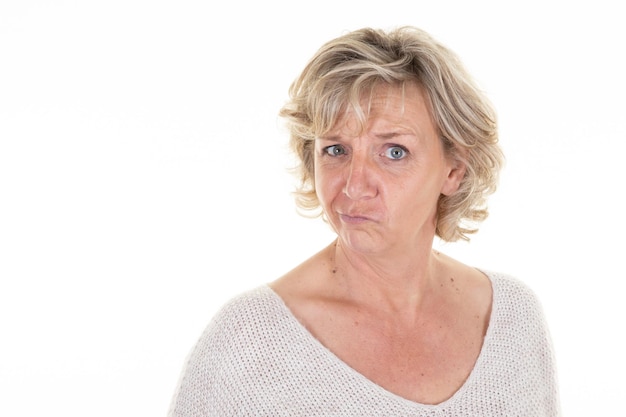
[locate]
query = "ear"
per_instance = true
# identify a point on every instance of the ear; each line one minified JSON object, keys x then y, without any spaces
{"x":456,"y":173}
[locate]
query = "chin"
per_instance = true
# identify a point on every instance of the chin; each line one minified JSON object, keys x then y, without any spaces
{"x":362,"y":242}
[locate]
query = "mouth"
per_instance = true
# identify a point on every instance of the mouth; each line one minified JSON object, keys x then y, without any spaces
{"x":353,"y":219}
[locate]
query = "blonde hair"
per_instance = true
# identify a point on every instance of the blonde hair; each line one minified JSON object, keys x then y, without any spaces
{"x":346,"y":68}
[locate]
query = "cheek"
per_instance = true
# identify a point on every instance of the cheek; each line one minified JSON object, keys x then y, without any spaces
{"x":323,"y":186}
{"x":418,"y":191}
{"x":320,"y":182}
{"x":328,"y":185}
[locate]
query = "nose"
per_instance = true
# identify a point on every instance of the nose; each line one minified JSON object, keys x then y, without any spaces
{"x":360,"y":177}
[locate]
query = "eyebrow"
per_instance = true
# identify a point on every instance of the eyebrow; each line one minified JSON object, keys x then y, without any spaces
{"x":392,"y":134}
{"x":332,"y":138}
{"x":385,"y":135}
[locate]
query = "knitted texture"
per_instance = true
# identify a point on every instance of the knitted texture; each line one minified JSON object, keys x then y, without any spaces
{"x":256,"y":359}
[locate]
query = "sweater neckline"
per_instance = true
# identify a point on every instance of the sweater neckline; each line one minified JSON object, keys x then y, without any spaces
{"x":331,"y":356}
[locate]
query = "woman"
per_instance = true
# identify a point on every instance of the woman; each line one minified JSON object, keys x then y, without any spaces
{"x":396,"y":146}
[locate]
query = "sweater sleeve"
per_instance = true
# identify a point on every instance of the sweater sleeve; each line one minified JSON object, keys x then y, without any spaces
{"x":197,"y":388}
{"x":209,"y":383}
{"x":233,"y":370}
{"x":521,"y":351}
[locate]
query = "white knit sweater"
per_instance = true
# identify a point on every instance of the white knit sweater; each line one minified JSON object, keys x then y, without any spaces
{"x":256,"y":359}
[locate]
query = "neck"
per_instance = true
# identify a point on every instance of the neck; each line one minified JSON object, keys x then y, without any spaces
{"x":397,"y":282}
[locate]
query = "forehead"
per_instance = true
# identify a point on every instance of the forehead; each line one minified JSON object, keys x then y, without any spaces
{"x":387,"y":106}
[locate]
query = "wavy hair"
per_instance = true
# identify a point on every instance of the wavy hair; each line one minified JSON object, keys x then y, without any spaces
{"x":348,"y":67}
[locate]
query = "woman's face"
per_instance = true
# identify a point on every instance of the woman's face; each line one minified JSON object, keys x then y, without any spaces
{"x":379,"y":186}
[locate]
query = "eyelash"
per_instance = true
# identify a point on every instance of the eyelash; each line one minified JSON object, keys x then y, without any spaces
{"x":330,"y":151}
{"x":402,"y":148}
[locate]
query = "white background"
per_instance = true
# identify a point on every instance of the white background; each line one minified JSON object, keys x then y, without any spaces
{"x":143,"y":181}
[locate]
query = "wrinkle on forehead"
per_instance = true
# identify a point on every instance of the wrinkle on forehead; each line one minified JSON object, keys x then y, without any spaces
{"x":355,"y":117}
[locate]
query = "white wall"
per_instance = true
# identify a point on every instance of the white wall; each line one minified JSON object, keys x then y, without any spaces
{"x":143,"y":181}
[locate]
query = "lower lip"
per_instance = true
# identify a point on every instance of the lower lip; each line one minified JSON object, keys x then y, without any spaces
{"x":353,"y":220}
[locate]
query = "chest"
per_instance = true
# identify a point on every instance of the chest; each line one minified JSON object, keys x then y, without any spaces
{"x":426,"y":363}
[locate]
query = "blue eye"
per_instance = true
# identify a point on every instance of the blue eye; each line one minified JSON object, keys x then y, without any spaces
{"x":396,"y":152}
{"x":335,"y":150}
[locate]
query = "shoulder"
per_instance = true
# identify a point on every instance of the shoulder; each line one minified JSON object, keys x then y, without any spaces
{"x":518,"y":324}
{"x":252,"y":306}
{"x":516,"y":304}
{"x":513,"y":294}
{"x":231,"y":354}
{"x":518,"y":346}
{"x":245,"y":319}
